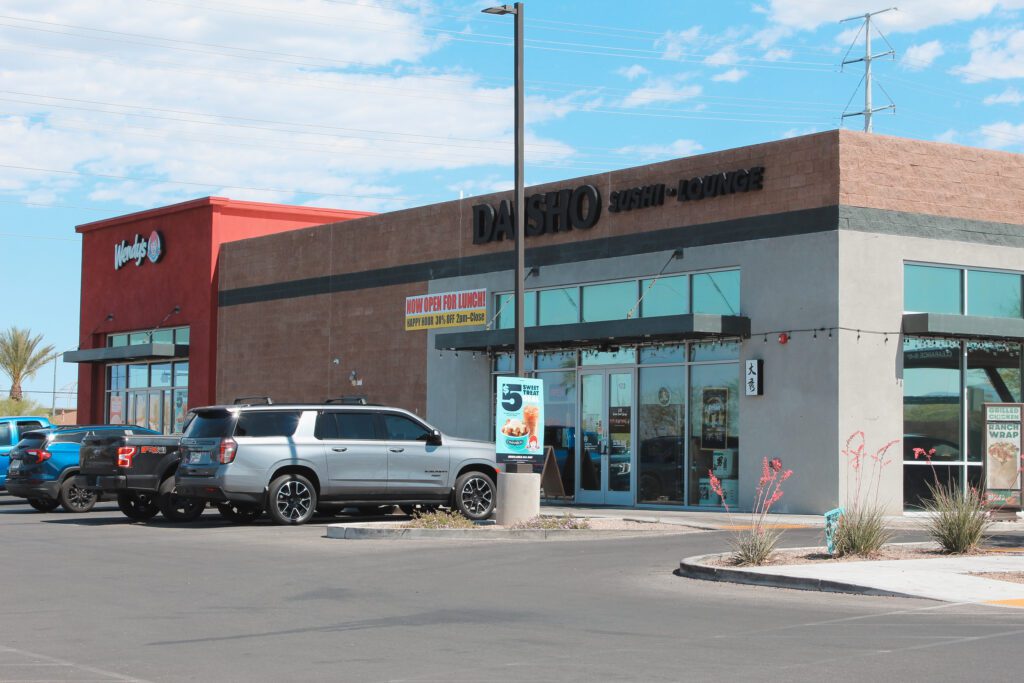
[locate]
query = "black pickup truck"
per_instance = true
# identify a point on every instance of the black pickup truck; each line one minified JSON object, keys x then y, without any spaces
{"x":139,"y":470}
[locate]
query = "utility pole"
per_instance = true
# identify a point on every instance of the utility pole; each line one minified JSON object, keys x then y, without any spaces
{"x":867,"y":59}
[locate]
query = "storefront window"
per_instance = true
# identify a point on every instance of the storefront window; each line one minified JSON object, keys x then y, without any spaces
{"x":993,"y":376}
{"x":932,"y":289}
{"x":181,"y":374}
{"x":715,"y":351}
{"x":625,"y":356}
{"x":717,"y":292}
{"x":160,"y":375}
{"x":181,"y":335}
{"x":506,"y":310}
{"x":931,"y":398}
{"x":559,"y":306}
{"x":163,"y":336}
{"x":117,"y":340}
{"x":714,"y":432}
{"x":138,"y":376}
{"x":612,"y":301}
{"x":650,"y":355}
{"x":996,"y":295}
{"x":560,"y":424}
{"x":556,"y":361}
{"x":665,"y":296}
{"x":662,"y":435}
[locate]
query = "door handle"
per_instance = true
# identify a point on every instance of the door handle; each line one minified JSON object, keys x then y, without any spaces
{"x":396,"y":450}
{"x":339,"y":449}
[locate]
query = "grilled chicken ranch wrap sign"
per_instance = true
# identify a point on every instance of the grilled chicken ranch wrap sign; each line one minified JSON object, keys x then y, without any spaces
{"x":1002,"y":455}
{"x":519,"y":420}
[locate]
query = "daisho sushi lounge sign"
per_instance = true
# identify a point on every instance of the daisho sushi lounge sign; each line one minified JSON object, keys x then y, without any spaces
{"x":580,"y":208}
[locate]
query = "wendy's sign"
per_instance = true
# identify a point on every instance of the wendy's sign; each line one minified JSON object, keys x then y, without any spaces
{"x":138,"y":250}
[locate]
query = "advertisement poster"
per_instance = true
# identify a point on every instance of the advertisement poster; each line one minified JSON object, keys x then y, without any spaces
{"x":519,"y":420}
{"x":116,"y":409}
{"x":180,"y":409}
{"x":446,"y":309}
{"x":1002,"y":455}
{"x":714,"y":422}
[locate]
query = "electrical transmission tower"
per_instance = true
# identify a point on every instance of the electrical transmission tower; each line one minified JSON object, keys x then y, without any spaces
{"x":867,"y":59}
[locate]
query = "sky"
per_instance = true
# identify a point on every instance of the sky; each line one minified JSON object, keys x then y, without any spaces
{"x":117,"y":106}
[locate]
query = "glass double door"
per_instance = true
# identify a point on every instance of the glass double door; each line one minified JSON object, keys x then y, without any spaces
{"x":605,"y":472}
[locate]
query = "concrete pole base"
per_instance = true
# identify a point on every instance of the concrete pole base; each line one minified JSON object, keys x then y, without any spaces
{"x":518,"y":498}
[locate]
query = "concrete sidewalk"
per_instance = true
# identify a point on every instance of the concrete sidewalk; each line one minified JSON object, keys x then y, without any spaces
{"x":716,"y":520}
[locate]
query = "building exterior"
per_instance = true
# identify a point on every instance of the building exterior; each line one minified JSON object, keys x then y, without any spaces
{"x":148,"y":321}
{"x":867,"y":283}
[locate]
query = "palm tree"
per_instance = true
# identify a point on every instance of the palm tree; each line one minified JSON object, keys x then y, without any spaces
{"x":20,"y":358}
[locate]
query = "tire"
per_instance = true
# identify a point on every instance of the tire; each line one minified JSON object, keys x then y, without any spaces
{"x":177,"y":508}
{"x":75,"y":499}
{"x":291,"y":499}
{"x":137,"y":506}
{"x":239,"y":513}
{"x":44,"y":504}
{"x":474,"y":495}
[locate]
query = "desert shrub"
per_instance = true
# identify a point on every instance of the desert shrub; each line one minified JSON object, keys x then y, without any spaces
{"x":754,"y":544}
{"x":566,"y":521}
{"x":439,"y":519}
{"x":957,"y":519}
{"x":861,"y":530}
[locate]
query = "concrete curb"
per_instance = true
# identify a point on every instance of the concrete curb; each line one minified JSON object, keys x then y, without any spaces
{"x":367,"y":531}
{"x":699,"y":567}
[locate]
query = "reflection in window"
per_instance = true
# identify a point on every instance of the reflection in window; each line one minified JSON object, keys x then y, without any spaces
{"x":663,"y":354}
{"x":665,"y":296}
{"x":662,"y":433}
{"x":612,"y":301}
{"x":995,"y":295}
{"x":714,"y":432}
{"x":559,"y":306}
{"x":715,"y":351}
{"x":993,"y":376}
{"x":931,"y":398}
{"x":932,"y":289}
{"x":556,"y":361}
{"x":560,"y":423}
{"x":717,"y":293}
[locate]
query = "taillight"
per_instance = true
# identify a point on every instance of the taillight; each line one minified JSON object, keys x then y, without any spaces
{"x":227,"y":450}
{"x":125,"y":454}
{"x":38,"y":454}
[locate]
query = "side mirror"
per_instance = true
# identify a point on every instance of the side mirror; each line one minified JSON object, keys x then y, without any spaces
{"x":434,"y":438}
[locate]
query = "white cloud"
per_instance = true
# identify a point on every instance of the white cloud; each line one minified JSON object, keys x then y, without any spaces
{"x":997,"y":53}
{"x":730,"y":76}
{"x":918,"y":57}
{"x":478,"y":186}
{"x":661,"y":90}
{"x":1002,"y":134}
{"x":797,"y":132}
{"x":284,"y":107}
{"x":632,"y":72}
{"x":679,"y":148}
{"x":1009,"y":96}
{"x":727,"y":56}
{"x":949,"y":135}
{"x":678,"y":44}
{"x":912,"y":16}
{"x":776,"y":54}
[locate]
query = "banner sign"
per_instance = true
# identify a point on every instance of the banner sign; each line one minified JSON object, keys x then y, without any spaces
{"x":754,"y":371}
{"x":519,"y":420}
{"x":1002,"y":455}
{"x":447,"y":309}
{"x":714,"y":427}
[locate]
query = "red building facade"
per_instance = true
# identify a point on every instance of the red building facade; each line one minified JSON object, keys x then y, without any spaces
{"x":148,"y":322}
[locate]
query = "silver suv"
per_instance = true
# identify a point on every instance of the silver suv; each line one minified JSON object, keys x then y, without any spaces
{"x":287,"y":459}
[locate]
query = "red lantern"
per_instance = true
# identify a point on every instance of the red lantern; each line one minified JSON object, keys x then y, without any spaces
{"x":783,"y":338}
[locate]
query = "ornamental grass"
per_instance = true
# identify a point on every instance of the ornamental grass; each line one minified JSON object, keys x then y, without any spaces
{"x":439,"y":519}
{"x":754,"y":544}
{"x":957,"y":519}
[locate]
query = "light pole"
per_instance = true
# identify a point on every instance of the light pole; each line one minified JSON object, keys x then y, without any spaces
{"x":519,"y":208}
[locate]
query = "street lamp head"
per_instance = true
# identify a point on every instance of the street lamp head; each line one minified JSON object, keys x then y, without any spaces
{"x":500,"y":9}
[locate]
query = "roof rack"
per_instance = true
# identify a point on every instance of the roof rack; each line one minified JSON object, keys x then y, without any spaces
{"x":250,"y":400}
{"x":348,"y":401}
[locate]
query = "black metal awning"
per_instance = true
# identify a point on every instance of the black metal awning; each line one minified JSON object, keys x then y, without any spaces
{"x":692,"y":326}
{"x":115,"y":354}
{"x":962,"y":326}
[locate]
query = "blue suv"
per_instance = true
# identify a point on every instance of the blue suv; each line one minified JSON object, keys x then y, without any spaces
{"x":44,"y":464}
{"x":11,"y":430}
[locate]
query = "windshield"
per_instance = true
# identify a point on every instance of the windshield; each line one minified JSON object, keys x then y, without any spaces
{"x":210,"y":423}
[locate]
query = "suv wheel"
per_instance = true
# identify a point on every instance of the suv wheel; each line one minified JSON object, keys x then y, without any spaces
{"x":138,"y":507}
{"x":177,"y":508}
{"x":43,"y":504}
{"x":239,"y":513}
{"x":75,"y":499}
{"x":474,"y":495}
{"x":291,"y":499}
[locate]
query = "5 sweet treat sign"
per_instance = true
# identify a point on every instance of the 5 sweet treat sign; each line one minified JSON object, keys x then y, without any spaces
{"x":519,"y":420}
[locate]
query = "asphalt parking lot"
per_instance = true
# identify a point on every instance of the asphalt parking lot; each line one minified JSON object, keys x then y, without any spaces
{"x":92,"y":597}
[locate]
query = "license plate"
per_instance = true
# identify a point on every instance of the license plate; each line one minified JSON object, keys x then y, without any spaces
{"x":194,"y":458}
